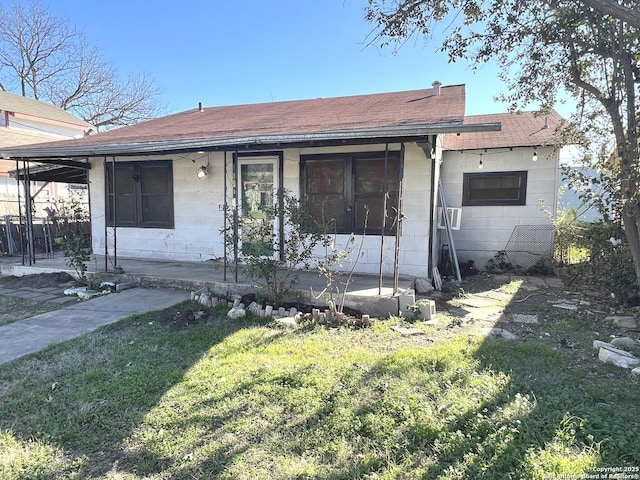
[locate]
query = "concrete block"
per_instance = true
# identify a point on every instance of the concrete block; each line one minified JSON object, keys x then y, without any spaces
{"x":598,"y":344}
{"x":623,"y":321}
{"x":427,"y":309}
{"x":405,"y":299}
{"x":626,"y":343}
{"x":125,"y":286}
{"x":617,"y":357}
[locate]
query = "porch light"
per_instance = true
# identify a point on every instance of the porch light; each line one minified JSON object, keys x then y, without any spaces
{"x":202,"y":172}
{"x":480,"y":164}
{"x":535,"y":154}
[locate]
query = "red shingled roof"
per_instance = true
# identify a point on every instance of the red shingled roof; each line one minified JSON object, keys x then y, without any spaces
{"x":522,"y":129}
{"x":397,"y":109}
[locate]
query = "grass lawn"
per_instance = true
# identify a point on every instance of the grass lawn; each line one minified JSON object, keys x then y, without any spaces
{"x":15,"y":308}
{"x":252,"y":400}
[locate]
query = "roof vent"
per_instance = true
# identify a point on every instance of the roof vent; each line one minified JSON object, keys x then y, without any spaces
{"x":200,"y":107}
{"x":436,"y":87}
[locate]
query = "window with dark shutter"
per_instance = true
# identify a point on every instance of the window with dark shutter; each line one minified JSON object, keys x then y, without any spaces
{"x":140,"y":195}
{"x":350,"y":191}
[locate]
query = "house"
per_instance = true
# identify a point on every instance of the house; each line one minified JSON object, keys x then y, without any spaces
{"x":159,"y":188}
{"x":25,"y":121}
{"x":504,"y":186}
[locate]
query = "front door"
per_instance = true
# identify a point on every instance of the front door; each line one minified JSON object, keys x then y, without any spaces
{"x":257,"y":187}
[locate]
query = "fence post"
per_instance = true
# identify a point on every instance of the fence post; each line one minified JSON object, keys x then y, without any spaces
{"x":11,"y":245}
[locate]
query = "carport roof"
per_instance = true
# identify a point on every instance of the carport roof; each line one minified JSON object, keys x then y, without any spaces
{"x":70,"y":172}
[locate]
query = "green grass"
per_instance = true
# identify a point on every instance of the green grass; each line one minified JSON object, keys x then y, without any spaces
{"x":13,"y":309}
{"x":245,"y":400}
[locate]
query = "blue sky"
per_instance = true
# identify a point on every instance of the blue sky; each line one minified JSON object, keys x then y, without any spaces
{"x":225,"y":52}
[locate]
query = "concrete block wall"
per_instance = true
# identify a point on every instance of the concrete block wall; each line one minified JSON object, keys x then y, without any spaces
{"x":485,"y":230}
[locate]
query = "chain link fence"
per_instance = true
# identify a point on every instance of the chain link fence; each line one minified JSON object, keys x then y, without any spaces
{"x":531,"y":245}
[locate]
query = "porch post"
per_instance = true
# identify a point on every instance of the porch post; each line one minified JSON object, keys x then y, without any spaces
{"x":384,"y":219}
{"x":234,"y":204}
{"x":396,"y":255}
{"x":28,"y":213}
{"x":20,"y":211}
{"x":225,"y":209}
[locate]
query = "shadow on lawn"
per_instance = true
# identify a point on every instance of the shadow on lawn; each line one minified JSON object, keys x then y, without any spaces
{"x":496,"y":409}
{"x":87,"y":396}
{"x":556,"y":410}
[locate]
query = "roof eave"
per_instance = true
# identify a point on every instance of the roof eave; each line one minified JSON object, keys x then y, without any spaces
{"x":399,"y":133}
{"x":499,"y":147}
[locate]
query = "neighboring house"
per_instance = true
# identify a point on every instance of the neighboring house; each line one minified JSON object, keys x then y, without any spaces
{"x":506,"y":186}
{"x":158,"y":189}
{"x":25,"y":121}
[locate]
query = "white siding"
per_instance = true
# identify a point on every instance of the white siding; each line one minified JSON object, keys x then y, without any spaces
{"x":485,"y":230}
{"x":55,"y":129}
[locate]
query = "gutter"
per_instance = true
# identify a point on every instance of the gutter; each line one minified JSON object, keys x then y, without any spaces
{"x":232,"y":143}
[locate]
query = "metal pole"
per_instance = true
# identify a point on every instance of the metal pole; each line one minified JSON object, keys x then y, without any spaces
{"x":396,"y":254}
{"x":86,"y":178}
{"x":226,"y":211}
{"x":106,"y":217}
{"x":20,"y":211}
{"x":384,"y":218}
{"x":236,"y":218}
{"x":115,"y":222}
{"x":447,"y":224}
{"x":28,"y":212}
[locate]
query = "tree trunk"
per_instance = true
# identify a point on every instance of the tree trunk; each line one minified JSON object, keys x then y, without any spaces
{"x":631,"y":222}
{"x":621,"y":12}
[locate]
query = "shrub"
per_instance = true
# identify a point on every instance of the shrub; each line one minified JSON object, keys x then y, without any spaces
{"x":610,"y":265}
{"x":266,"y":257}
{"x":72,"y":221}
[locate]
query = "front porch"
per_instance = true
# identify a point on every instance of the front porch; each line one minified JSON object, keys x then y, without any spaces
{"x":363,"y":292}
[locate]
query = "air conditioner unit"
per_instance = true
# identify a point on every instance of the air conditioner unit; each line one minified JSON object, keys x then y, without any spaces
{"x":454,"y":215}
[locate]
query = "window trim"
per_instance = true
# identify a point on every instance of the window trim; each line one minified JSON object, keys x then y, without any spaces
{"x":138,"y":167}
{"x":466,"y":191}
{"x":350,"y":193}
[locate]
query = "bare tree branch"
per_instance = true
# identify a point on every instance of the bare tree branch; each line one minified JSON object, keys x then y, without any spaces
{"x":44,"y":57}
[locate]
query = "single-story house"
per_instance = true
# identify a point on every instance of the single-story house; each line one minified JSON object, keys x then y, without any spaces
{"x":159,"y":189}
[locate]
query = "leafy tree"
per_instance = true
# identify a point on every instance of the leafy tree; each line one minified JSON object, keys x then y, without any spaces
{"x":589,"y":48}
{"x":42,"y":56}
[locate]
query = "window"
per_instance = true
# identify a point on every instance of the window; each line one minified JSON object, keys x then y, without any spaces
{"x":143,"y":194}
{"x":350,"y":190}
{"x":494,"y":188}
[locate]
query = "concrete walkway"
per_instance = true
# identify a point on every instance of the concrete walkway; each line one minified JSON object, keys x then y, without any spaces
{"x":33,"y":334}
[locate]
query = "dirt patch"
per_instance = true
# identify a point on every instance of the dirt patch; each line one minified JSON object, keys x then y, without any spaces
{"x":39,"y":280}
{"x":184,"y":318}
{"x":564,"y":317}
